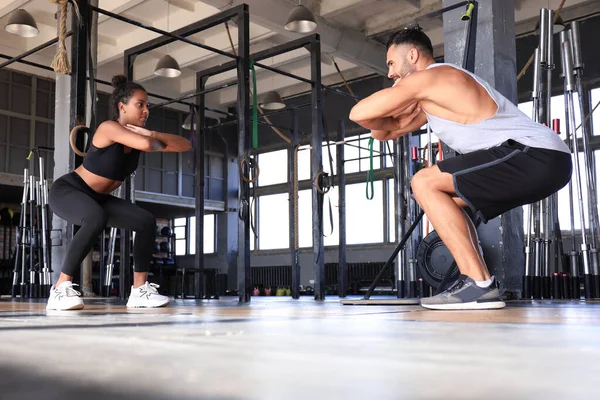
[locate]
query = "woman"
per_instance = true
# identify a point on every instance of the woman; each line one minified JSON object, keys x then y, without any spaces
{"x":83,"y":196}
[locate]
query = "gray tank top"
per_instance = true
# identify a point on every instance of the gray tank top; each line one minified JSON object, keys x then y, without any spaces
{"x":508,"y":123}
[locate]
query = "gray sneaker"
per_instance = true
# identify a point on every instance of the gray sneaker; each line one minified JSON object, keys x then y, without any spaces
{"x":464,"y":294}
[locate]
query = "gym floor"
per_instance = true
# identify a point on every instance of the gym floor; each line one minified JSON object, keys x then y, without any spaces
{"x":298,"y":349}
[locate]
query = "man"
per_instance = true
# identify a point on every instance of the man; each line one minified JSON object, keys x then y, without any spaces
{"x":505,"y":159}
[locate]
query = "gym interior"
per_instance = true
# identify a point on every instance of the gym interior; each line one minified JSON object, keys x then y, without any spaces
{"x":288,"y":242}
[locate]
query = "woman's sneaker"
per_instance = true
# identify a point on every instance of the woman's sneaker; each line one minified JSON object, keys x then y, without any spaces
{"x":464,"y":294}
{"x":64,"y":297}
{"x":146,"y":296}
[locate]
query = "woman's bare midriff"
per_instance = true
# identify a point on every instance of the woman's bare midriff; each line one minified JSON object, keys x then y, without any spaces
{"x":97,"y":183}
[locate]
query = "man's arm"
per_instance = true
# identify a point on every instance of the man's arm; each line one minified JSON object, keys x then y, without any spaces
{"x":389,"y":102}
{"x":418,"y":121}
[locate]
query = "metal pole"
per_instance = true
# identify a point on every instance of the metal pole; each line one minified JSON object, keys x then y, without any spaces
{"x":567,"y":63}
{"x":293,"y":207}
{"x":528,"y":278}
{"x":200,"y":123}
{"x":401,"y":214}
{"x":243,"y":118}
{"x":542,"y":113}
{"x":575,"y":40}
{"x":342,"y":267}
{"x":317,"y":167}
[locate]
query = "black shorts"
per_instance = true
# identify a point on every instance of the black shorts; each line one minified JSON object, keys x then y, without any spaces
{"x":499,"y":179}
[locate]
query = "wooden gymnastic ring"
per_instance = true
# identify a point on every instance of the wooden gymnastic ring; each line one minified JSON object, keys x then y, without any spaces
{"x":72,"y":136}
{"x":252,"y":165}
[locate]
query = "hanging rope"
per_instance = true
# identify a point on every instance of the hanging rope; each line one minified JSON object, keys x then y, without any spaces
{"x":277,"y":131}
{"x":60,"y":64}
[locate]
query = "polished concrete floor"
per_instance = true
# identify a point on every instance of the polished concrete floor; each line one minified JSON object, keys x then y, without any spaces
{"x":278,"y":348}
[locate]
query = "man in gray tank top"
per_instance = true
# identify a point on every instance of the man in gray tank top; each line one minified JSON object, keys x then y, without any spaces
{"x":505,"y":159}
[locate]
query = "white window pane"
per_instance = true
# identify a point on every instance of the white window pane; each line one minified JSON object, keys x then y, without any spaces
{"x":179,"y":221}
{"x":563,"y":201}
{"x":325,"y":152}
{"x":526,"y":108}
{"x":331,"y":238}
{"x":274,"y":222}
{"x":180,"y":247}
{"x":364,"y":217}
{"x":209,"y":234}
{"x":253,"y":216}
{"x":192,"y":240}
{"x":303,"y":164}
{"x":564,"y":212}
{"x":557,"y":110}
{"x":351,"y":153}
{"x":180,"y":232}
{"x":273,"y":167}
{"x":595,"y":97}
{"x":305,"y":218}
{"x":392,"y":210}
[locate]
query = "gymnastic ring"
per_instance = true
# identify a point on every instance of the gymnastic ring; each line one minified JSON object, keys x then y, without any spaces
{"x":72,"y":136}
{"x":319,"y":189}
{"x":253,"y":165}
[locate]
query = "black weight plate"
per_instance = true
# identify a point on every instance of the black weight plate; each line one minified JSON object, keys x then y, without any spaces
{"x":434,"y":260}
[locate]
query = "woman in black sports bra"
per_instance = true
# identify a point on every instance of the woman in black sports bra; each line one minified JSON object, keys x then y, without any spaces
{"x":83,"y":197}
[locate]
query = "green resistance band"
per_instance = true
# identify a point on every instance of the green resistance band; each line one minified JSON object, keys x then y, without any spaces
{"x":370,"y":172}
{"x":254,"y":109}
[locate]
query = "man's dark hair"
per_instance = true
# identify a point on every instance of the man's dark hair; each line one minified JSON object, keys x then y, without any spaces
{"x":412,"y":36}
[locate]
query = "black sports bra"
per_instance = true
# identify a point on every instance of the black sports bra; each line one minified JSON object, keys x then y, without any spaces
{"x":111,"y":162}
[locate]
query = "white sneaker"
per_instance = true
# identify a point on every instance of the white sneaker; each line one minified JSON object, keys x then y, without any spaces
{"x":146,"y":296}
{"x":64,"y":297}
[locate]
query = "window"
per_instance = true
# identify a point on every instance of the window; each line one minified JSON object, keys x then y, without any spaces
{"x":595,"y":97}
{"x":392,"y":210}
{"x":209,"y":234}
{"x":23,"y":126}
{"x":325,"y":154}
{"x":274,"y":222}
{"x":332,"y":232}
{"x":557,"y":109}
{"x":305,"y":231}
{"x":364,"y":217}
{"x":360,"y":148}
{"x":304,"y":164}
{"x":180,"y":227}
{"x":273,"y":168}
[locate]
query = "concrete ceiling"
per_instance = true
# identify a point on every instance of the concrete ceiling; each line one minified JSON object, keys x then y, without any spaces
{"x":353,"y":32}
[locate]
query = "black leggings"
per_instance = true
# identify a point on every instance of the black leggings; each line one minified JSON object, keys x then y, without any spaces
{"x":74,"y":201}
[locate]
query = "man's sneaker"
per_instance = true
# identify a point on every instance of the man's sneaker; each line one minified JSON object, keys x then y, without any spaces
{"x":464,"y":294}
{"x":64,"y":297}
{"x":146,"y":296}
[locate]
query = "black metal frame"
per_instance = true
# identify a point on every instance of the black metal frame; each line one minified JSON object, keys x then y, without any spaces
{"x":239,"y":13}
{"x":312,"y":42}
